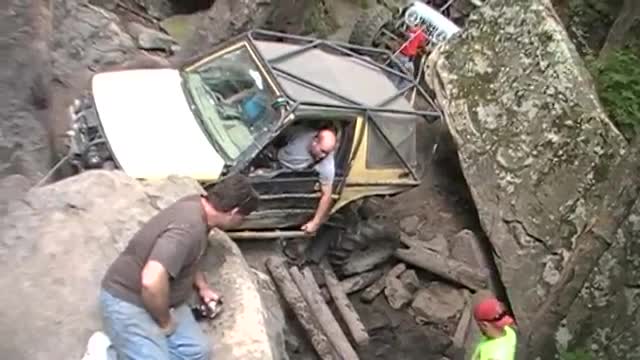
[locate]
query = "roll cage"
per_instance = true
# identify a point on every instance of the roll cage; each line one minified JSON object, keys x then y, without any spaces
{"x":304,"y":93}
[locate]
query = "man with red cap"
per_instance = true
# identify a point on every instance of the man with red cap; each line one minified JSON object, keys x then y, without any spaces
{"x":499,"y":338}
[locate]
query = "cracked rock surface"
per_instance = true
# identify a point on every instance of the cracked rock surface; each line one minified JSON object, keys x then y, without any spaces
{"x":537,"y":151}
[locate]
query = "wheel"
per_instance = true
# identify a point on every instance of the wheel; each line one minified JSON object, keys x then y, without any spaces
{"x":372,"y":232}
{"x":369,"y":24}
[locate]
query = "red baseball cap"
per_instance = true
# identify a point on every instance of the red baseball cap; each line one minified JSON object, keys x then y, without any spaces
{"x":491,"y":310}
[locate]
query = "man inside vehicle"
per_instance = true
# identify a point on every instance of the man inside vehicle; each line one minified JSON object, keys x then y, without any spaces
{"x":311,"y":148}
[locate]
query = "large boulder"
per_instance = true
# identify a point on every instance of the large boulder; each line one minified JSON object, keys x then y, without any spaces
{"x":547,"y":170}
{"x":57,"y":242}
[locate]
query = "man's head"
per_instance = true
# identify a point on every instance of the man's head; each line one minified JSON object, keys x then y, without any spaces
{"x":229,"y":201}
{"x":491,"y":316}
{"x":323,"y":144}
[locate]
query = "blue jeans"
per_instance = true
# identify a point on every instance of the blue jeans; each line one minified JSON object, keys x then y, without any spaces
{"x":135,"y":335}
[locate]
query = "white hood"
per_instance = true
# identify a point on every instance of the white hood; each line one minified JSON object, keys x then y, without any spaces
{"x":149,"y":126}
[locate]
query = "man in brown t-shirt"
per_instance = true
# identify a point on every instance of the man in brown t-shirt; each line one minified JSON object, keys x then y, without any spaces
{"x":144,"y":292}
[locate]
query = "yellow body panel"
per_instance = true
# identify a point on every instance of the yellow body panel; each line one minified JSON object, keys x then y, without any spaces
{"x":361,"y":181}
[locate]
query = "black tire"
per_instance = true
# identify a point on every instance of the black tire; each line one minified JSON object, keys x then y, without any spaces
{"x":369,"y":24}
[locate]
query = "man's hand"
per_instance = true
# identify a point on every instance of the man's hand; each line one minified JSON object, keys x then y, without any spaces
{"x":202,"y":286}
{"x":207,"y":295}
{"x":311,"y":227}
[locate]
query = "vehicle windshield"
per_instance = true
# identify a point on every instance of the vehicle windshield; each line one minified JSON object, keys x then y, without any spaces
{"x":233,"y":101}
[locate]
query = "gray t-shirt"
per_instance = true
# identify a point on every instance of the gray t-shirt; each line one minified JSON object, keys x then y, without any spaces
{"x":176,"y":237}
{"x":296,"y":156}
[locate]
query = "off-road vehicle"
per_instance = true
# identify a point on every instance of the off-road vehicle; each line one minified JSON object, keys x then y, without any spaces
{"x":385,"y":24}
{"x":225,"y":112}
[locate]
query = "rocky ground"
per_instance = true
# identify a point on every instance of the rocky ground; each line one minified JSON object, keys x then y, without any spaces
{"x":407,"y":311}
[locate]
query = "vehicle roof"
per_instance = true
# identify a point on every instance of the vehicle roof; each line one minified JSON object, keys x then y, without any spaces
{"x":315,"y":72}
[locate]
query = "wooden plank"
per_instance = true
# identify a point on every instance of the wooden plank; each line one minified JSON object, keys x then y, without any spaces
{"x":301,"y":309}
{"x":345,"y":307}
{"x":366,"y":260}
{"x":311,"y":293}
{"x":358,"y":282}
{"x":447,"y":268}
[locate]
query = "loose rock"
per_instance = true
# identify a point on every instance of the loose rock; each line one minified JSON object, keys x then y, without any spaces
{"x":410,"y":224}
{"x":149,"y":39}
{"x":437,"y":303}
{"x":463,"y":248}
{"x":398,"y":295}
{"x":438,"y":244}
{"x":410,"y":280}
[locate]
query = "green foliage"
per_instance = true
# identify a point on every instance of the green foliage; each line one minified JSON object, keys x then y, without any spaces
{"x":617,"y":80}
{"x":575,"y":355}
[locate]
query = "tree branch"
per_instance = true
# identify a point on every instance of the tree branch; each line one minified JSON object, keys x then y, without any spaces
{"x":629,"y":13}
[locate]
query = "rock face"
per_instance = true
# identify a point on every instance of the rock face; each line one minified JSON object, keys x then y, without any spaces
{"x":57,"y":243}
{"x":24,"y":74}
{"x":86,"y":39}
{"x":540,"y":158}
{"x":606,"y":313}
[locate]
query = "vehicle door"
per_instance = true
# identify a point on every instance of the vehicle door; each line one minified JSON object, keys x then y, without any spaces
{"x":290,"y":198}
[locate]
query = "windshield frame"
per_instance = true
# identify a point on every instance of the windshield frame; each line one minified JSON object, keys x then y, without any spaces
{"x":197,"y":114}
{"x":260,"y":137}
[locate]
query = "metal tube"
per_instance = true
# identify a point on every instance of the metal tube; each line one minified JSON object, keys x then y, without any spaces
{"x":371,"y":62}
{"x":289,"y":54}
{"x":267,"y":235}
{"x":370,"y":108}
{"x":395,"y":96}
{"x":268,"y":33}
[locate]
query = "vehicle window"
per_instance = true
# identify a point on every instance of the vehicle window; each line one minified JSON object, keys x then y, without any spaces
{"x":233,"y":100}
{"x":402,"y":134}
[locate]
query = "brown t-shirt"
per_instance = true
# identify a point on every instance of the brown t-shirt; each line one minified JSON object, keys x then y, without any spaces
{"x":176,"y":237}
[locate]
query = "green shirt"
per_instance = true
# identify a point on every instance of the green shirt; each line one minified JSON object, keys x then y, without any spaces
{"x":502,"y":348}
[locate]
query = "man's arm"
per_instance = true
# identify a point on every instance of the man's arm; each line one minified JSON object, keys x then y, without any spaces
{"x":326,"y":170}
{"x":155,"y":292}
{"x":165,"y":261}
{"x":324,"y":206}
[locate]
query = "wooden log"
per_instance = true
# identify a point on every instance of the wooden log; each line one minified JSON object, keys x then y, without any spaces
{"x":301,"y":309}
{"x":450,"y":269}
{"x":457,"y":348}
{"x":463,"y":325}
{"x":366,"y":260}
{"x":345,"y":307}
{"x":311,"y":294}
{"x":374,"y":290}
{"x":358,"y":282}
